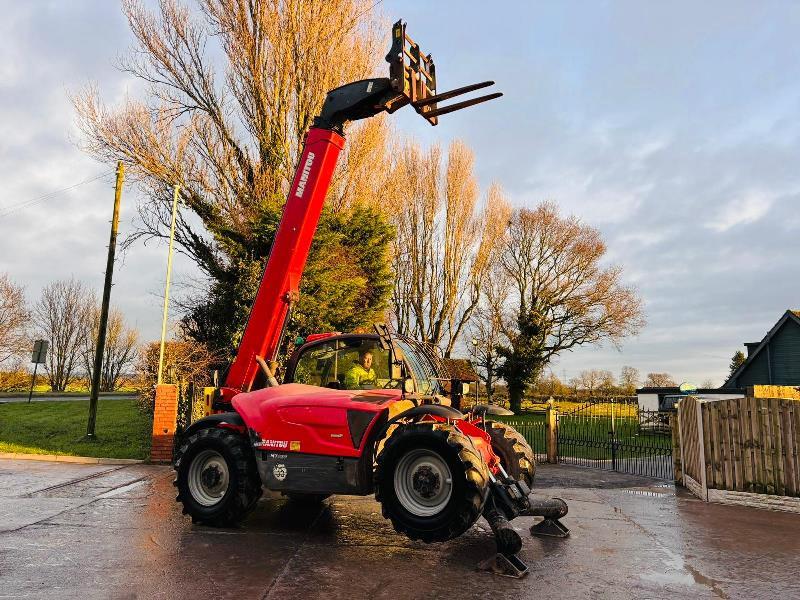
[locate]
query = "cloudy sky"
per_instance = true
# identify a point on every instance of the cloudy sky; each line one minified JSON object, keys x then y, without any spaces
{"x":674,"y":128}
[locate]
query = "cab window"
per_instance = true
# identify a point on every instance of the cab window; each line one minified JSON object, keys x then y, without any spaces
{"x":341,"y":364}
{"x":424,"y":374}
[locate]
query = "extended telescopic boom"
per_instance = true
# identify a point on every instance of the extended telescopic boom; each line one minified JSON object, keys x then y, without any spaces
{"x":412,"y":81}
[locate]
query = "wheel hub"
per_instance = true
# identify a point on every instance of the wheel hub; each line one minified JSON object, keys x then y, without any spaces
{"x":208,"y":477}
{"x":211,"y":477}
{"x":426,"y":482}
{"x":423,"y":482}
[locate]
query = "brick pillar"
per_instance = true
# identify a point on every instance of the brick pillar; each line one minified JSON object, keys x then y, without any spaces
{"x":165,"y":416}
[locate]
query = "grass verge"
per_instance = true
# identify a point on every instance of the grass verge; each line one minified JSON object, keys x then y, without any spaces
{"x":123,"y":431}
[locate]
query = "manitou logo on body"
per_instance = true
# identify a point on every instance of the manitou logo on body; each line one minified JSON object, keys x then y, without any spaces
{"x":280,"y":444}
{"x":301,"y":185}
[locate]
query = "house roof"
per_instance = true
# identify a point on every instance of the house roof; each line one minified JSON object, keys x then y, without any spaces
{"x":789,"y":314}
{"x":677,"y":390}
{"x":460,"y":368}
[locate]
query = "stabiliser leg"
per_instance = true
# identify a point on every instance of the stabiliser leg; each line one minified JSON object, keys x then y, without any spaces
{"x":552,"y":509}
{"x":505,"y":562}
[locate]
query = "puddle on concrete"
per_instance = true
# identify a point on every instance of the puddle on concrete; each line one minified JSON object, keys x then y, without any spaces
{"x":676,"y":571}
{"x":648,"y":493}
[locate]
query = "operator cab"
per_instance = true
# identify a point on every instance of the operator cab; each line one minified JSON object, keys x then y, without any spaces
{"x":338,"y":362}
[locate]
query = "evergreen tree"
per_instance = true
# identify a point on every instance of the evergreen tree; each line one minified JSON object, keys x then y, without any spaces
{"x":345,"y":286}
{"x":737,"y":361}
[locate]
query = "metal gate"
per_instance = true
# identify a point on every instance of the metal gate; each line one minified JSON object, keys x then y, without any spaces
{"x":619,"y":437}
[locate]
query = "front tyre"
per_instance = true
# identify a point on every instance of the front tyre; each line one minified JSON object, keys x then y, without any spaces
{"x":431,"y":481}
{"x":216,"y":477}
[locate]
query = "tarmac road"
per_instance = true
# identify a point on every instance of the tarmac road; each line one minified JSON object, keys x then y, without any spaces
{"x":103,"y":531}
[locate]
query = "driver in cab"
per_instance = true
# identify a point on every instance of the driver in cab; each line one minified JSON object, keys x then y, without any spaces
{"x":361,"y":375}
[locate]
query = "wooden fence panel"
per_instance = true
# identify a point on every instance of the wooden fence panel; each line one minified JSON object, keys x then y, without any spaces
{"x":787,"y":436}
{"x":796,"y":444}
{"x":757,"y":482}
{"x":708,"y":443}
{"x":745,"y":445}
{"x":765,"y":437}
{"x":780,"y":458}
{"x":725,"y":446}
{"x":734,"y":427}
{"x":746,"y":419}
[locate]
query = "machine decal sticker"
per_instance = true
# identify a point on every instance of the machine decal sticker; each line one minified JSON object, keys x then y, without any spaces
{"x":301,"y":185}
{"x":279,"y":472}
{"x":294,"y":446}
{"x":279,"y":444}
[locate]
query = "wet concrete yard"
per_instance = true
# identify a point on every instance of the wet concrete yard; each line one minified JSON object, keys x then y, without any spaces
{"x":112,"y":531}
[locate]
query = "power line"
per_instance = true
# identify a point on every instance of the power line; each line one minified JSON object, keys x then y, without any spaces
{"x":5,"y":211}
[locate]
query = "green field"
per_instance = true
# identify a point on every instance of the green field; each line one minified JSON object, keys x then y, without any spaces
{"x":123,"y":431}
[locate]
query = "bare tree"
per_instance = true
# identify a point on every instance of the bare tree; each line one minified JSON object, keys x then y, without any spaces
{"x":184,"y":361}
{"x":61,"y":316}
{"x":708,"y":384}
{"x":232,"y":86}
{"x":593,"y":380}
{"x":607,"y":382}
{"x":231,"y":141}
{"x":659,"y":380}
{"x":561,"y":295}
{"x":485,"y":336}
{"x":119,"y":353}
{"x":628,"y":379}
{"x":445,"y":243}
{"x":550,"y":385}
{"x":14,"y":319}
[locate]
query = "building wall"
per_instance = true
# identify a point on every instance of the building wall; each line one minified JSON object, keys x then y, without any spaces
{"x":648,"y":401}
{"x":783,"y":353}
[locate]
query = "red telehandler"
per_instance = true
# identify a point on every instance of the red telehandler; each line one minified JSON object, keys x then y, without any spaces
{"x":434,"y":469}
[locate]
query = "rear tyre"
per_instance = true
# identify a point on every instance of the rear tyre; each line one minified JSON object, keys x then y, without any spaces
{"x":216,"y":477}
{"x":513,"y":450}
{"x":431,"y":481}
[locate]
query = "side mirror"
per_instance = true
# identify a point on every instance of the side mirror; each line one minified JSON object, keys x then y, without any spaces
{"x":397,"y":371}
{"x":397,"y":363}
{"x":408,"y":385}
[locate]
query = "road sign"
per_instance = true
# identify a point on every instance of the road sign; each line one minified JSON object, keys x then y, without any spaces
{"x":39,"y":351}
{"x":37,"y":358}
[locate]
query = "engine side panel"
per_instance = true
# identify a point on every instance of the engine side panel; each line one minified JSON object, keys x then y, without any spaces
{"x":298,"y":418}
{"x":314,"y":474}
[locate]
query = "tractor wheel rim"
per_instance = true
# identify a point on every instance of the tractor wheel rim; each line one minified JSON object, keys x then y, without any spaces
{"x":208,"y":477}
{"x":423,"y":483}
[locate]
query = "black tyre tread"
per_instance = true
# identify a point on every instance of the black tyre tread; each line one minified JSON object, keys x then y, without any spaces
{"x":476,"y":475}
{"x":515,"y":452}
{"x":248,"y":483}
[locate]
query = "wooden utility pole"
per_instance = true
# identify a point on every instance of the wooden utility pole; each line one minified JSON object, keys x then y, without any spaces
{"x":101,"y":334}
{"x":175,"y":195}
